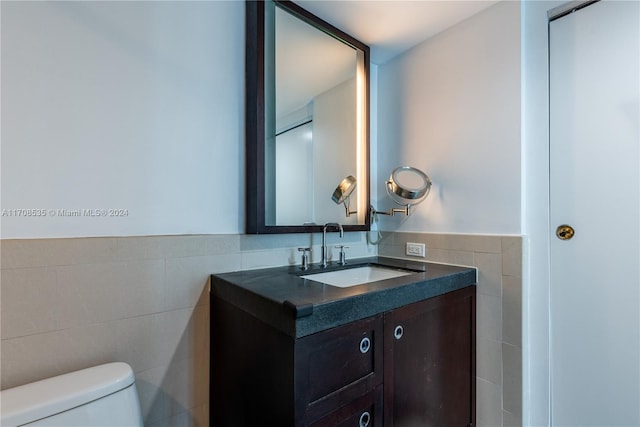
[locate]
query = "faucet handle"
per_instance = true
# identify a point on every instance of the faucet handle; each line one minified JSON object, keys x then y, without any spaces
{"x":305,"y":257}
{"x":343,"y":255}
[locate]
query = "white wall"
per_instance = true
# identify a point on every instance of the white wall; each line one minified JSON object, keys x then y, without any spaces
{"x":132,"y":105}
{"x":451,"y":107}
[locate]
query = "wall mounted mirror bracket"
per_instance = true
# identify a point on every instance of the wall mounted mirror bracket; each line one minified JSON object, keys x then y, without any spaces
{"x":391,"y":212}
{"x":407,"y":186}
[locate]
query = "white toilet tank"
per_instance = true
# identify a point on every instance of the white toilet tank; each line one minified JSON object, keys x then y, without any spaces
{"x":104,"y":395}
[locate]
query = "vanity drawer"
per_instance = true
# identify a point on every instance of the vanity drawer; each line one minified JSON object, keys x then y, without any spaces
{"x":365,"y":411}
{"x":338,"y":365}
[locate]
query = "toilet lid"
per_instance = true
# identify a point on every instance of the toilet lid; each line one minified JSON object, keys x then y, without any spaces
{"x":41,"y":399}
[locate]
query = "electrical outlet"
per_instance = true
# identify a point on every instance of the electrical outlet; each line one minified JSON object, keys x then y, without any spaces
{"x":416,"y":249}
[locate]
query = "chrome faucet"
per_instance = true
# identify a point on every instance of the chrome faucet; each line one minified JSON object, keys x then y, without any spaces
{"x":324,"y":240}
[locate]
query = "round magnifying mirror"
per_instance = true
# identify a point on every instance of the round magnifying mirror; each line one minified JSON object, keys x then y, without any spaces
{"x":408,"y":185}
{"x":344,"y":189}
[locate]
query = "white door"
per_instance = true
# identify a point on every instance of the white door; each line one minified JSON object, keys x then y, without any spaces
{"x":594,"y":161}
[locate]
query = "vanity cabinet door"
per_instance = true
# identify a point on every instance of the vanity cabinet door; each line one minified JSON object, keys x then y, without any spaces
{"x":430,"y":362}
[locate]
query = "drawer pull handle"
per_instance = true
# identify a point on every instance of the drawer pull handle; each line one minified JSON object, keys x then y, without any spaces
{"x":398,"y":332}
{"x":365,"y":419}
{"x":365,"y":345}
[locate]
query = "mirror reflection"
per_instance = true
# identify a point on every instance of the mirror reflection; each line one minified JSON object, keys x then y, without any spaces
{"x":315,"y":115}
{"x":315,"y":124}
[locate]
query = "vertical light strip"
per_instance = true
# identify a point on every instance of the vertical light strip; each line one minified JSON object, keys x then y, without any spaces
{"x":361,"y":136}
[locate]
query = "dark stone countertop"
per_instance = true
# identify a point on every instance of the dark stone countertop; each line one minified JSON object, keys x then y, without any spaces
{"x":301,"y":307}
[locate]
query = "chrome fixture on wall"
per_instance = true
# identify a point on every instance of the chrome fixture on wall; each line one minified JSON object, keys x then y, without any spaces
{"x":407,"y":186}
{"x":325,"y":259}
{"x":343,"y":192}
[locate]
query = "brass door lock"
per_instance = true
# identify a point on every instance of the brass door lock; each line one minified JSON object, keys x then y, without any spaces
{"x":565,"y":232}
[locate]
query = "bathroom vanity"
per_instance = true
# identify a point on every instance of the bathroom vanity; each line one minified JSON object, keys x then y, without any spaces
{"x":293,"y":351}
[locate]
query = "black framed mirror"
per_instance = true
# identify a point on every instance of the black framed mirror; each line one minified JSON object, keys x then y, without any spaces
{"x":307,"y":122}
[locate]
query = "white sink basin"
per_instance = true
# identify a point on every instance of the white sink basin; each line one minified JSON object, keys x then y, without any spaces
{"x":356,"y":276}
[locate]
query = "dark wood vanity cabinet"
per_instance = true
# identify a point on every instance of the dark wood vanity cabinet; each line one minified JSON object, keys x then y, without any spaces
{"x":413,"y":366}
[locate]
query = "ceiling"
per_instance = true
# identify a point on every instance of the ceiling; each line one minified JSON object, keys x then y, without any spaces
{"x":391,"y":27}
